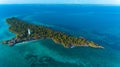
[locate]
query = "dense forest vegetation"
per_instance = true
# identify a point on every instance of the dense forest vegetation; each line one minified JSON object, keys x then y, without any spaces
{"x":20,"y":28}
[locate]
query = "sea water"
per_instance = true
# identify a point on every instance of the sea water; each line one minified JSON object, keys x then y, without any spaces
{"x":98,"y":23}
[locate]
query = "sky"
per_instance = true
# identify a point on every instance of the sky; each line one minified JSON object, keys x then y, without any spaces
{"x":114,"y":2}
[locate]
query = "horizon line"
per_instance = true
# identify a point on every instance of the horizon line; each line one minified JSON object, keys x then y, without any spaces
{"x":56,"y":4}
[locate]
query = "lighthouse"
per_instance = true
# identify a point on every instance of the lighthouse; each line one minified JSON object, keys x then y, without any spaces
{"x":29,"y":31}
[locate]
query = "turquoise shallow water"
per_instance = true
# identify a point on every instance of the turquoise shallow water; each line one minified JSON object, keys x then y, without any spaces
{"x":97,"y":23}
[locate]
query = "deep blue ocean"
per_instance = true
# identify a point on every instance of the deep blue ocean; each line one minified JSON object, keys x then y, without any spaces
{"x":99,"y":23}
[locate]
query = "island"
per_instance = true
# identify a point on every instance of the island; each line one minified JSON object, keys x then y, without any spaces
{"x":27,"y":32}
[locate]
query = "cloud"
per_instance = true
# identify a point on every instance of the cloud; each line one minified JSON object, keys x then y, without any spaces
{"x":61,"y":1}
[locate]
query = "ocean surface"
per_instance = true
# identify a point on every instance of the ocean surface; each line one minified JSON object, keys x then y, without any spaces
{"x":98,"y":23}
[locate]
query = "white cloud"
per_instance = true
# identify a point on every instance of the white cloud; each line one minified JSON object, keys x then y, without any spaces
{"x":63,"y":1}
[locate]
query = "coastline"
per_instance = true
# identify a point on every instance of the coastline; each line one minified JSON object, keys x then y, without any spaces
{"x":29,"y":32}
